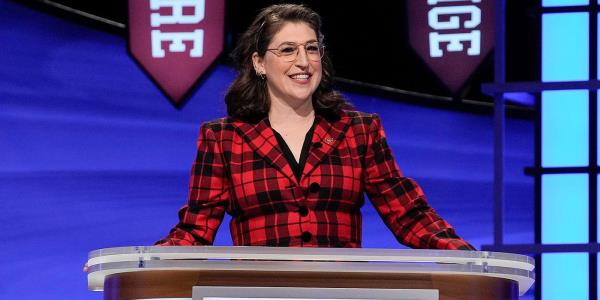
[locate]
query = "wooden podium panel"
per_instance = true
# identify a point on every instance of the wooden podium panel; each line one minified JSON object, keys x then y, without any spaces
{"x":172,"y":272}
{"x":175,"y":284}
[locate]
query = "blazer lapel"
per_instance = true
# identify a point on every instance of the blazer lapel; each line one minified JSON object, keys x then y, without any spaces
{"x":326,"y":137}
{"x":262,"y":140}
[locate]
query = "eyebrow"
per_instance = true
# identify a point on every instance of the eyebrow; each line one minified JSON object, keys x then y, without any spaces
{"x":294,"y":43}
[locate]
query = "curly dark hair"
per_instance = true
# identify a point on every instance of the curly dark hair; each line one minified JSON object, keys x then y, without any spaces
{"x":247,"y":97}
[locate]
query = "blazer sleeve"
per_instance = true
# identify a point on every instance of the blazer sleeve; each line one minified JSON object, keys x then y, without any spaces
{"x":400,"y":201}
{"x":208,"y":196}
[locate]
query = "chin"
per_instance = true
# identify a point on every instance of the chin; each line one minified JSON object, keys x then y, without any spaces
{"x":303,"y":97}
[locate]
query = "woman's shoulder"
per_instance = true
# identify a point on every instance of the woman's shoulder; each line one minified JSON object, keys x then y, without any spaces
{"x":225,"y":123}
{"x":359,"y":117}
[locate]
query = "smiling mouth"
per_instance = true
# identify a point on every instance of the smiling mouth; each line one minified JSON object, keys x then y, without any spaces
{"x":301,"y":76}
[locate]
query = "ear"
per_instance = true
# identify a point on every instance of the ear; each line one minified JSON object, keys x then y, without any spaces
{"x":258,"y":62}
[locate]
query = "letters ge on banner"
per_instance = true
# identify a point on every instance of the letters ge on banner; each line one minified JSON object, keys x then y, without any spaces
{"x":176,"y":41}
{"x":452,"y":36}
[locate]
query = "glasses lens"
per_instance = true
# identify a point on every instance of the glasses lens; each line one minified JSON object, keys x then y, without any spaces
{"x":314,"y":51}
{"x":289,"y":51}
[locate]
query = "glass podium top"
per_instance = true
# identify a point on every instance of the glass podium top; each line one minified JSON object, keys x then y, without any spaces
{"x":104,"y":262}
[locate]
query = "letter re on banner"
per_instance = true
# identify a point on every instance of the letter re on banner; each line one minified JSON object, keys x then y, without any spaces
{"x":176,"y":41}
{"x":452,"y":36}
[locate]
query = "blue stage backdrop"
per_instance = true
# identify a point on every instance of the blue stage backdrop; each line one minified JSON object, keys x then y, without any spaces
{"x":93,"y":156}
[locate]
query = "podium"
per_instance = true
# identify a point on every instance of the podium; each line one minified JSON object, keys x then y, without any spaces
{"x":219,"y":273}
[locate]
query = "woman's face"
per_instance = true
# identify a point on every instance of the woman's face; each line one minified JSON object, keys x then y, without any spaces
{"x":291,"y":81}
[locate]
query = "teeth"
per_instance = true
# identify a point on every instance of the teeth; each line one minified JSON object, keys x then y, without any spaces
{"x":300,"y":76}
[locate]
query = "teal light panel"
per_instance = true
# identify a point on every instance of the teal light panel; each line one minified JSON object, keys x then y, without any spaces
{"x":565,"y":143}
{"x":565,"y":131}
{"x":555,"y":3}
{"x":598,"y":99}
{"x":565,"y":276}
{"x":565,"y":50}
{"x":565,"y":208}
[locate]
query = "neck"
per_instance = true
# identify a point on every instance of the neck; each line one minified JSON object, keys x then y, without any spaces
{"x":282,"y":113}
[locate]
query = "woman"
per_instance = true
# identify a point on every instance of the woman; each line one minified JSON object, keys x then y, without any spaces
{"x":291,"y":163}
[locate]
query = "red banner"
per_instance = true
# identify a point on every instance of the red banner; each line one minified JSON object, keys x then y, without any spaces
{"x":176,"y":41}
{"x":452,"y":36}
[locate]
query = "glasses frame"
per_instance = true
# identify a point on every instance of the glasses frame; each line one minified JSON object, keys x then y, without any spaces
{"x":278,"y":53}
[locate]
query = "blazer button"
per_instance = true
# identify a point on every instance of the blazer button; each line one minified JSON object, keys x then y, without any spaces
{"x":303,"y":211}
{"x":306,"y":236}
{"x":314,"y":187}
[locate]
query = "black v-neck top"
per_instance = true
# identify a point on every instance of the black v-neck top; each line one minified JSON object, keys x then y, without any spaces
{"x":297,"y":166}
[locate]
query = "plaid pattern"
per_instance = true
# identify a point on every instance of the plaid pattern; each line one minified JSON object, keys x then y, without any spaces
{"x":241,"y":170}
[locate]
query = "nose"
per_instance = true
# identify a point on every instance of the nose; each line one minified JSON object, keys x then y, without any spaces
{"x":302,"y":57}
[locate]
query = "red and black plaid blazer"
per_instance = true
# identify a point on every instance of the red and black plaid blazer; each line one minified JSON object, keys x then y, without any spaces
{"x":240,"y":169}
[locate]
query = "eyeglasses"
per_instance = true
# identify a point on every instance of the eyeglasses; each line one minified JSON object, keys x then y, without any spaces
{"x":289,"y":51}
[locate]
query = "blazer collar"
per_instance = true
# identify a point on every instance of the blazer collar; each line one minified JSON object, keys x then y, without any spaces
{"x":328,"y":134}
{"x":261,"y":138}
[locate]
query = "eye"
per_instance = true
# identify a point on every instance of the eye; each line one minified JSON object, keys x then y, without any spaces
{"x":287,"y":49}
{"x":313,"y":47}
